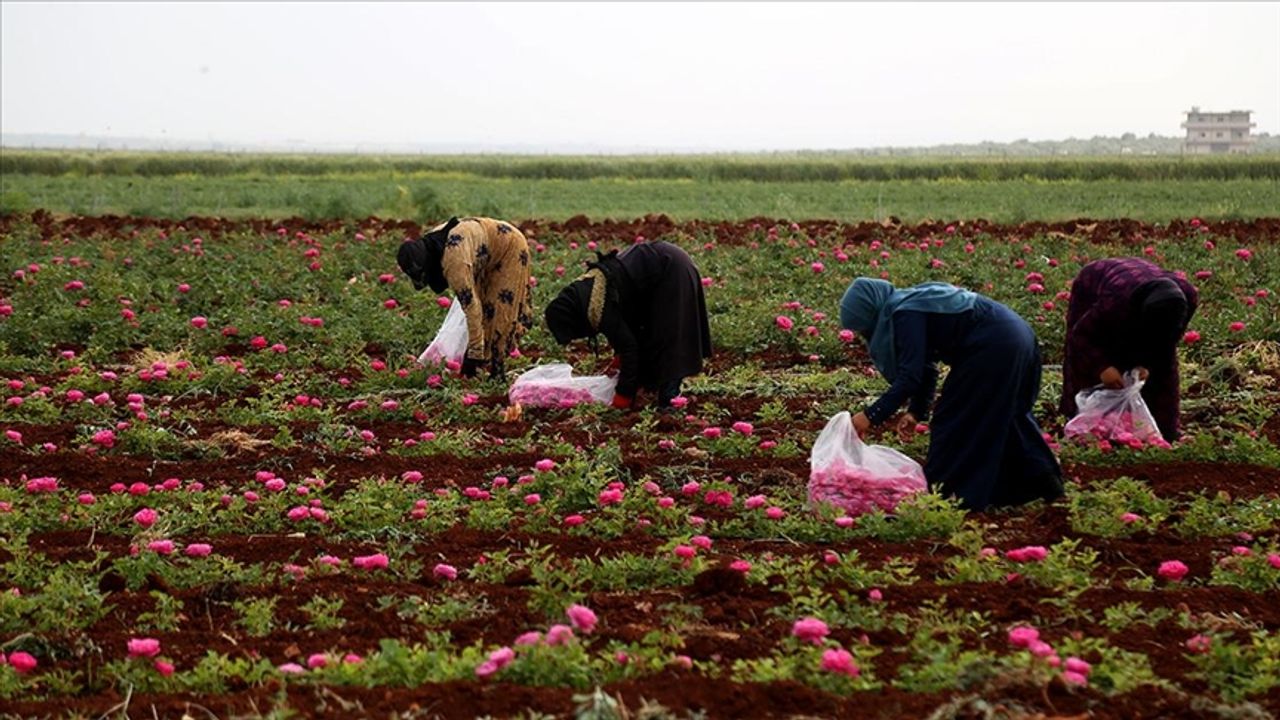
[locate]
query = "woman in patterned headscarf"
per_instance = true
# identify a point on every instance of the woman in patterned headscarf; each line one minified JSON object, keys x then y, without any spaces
{"x":985,"y":448}
{"x":647,"y":301}
{"x":1127,"y":314}
{"x":486,"y":264}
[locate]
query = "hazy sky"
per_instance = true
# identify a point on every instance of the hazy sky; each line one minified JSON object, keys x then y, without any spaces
{"x":695,"y":76}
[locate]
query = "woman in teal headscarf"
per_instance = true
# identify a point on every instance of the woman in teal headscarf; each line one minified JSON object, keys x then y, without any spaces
{"x":985,"y":448}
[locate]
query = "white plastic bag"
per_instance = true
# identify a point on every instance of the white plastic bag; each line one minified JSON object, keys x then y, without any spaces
{"x":555,"y":386}
{"x":857,"y":477}
{"x":450,"y":344}
{"x":1121,"y":415}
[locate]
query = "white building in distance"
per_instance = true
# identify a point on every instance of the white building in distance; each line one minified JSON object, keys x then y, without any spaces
{"x":1217,"y":132}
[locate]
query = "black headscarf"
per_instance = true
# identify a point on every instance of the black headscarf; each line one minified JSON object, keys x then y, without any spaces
{"x":422,"y":259}
{"x":567,"y":314}
{"x":1160,"y":310}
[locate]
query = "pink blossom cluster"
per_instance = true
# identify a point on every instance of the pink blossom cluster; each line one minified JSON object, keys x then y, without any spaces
{"x":859,"y":491}
{"x":840,"y":662}
{"x":1198,"y":644}
{"x":21,"y":662}
{"x":612,"y":494}
{"x":498,"y":659}
{"x":143,"y":647}
{"x":810,"y":630}
{"x":556,"y":635}
{"x":1028,"y":554}
{"x":1172,"y":570}
{"x":377,"y":561}
{"x":42,"y":485}
{"x":1074,"y":671}
{"x":582,"y":618}
{"x":721,"y":498}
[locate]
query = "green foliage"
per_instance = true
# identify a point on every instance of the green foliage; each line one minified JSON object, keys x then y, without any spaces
{"x":257,"y":617}
{"x":324,"y":613}
{"x":1223,"y":515}
{"x":997,"y":191}
{"x":1098,"y":510}
{"x":942,"y":663}
{"x":441,"y":610}
{"x":1253,"y":568}
{"x":166,"y":615}
{"x":926,"y":515}
{"x":1238,"y":671}
{"x":1115,"y":671}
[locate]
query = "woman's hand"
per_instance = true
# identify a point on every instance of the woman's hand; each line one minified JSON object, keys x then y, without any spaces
{"x":907,"y":427}
{"x":1112,"y":378}
{"x":861,"y":423}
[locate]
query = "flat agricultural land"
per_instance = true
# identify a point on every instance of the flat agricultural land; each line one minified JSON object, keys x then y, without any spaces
{"x":227,"y":489}
{"x":686,"y":188}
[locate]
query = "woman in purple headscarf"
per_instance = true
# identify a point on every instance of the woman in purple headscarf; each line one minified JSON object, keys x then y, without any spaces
{"x":1126,"y":314}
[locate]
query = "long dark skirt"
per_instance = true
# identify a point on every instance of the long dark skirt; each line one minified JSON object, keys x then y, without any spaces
{"x":669,"y":314}
{"x":985,"y":446}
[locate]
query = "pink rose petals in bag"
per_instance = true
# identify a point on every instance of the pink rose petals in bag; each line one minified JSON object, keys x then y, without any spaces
{"x":856,"y":477}
{"x":555,"y":386}
{"x":1115,"y":415}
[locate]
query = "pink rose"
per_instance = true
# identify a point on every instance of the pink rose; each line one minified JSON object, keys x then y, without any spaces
{"x":1023,"y":636}
{"x":559,"y":634}
{"x":582,"y":618}
{"x":1172,"y":570}
{"x":198,"y":550}
{"x":840,"y":662}
{"x":143,"y":647}
{"x":810,"y":630}
{"x":22,"y":662}
{"x":145,"y":517}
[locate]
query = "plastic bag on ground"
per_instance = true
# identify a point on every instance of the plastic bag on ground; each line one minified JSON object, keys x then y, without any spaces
{"x":555,"y":386}
{"x":450,"y":344}
{"x":1114,"y":414}
{"x":856,"y":477}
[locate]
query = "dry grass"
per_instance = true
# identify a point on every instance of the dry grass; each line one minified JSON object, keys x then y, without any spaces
{"x":234,"y":441}
{"x":147,"y":357}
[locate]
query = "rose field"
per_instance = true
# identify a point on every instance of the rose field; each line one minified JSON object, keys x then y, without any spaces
{"x":227,"y":489}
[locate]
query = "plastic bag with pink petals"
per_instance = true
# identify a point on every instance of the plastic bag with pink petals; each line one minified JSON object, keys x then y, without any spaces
{"x":856,"y":477}
{"x":555,"y":386}
{"x":1119,"y":415}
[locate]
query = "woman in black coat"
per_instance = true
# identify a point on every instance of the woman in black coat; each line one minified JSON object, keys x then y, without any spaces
{"x":647,"y":301}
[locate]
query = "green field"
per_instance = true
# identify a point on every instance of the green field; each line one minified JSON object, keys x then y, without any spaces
{"x":704,"y":187}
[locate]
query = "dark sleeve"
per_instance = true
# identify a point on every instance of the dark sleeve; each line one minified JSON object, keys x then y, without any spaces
{"x":922,"y":400}
{"x":910,"y":343}
{"x":1094,"y":339}
{"x":1086,"y":338}
{"x":1096,"y":310}
{"x":623,"y":342}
